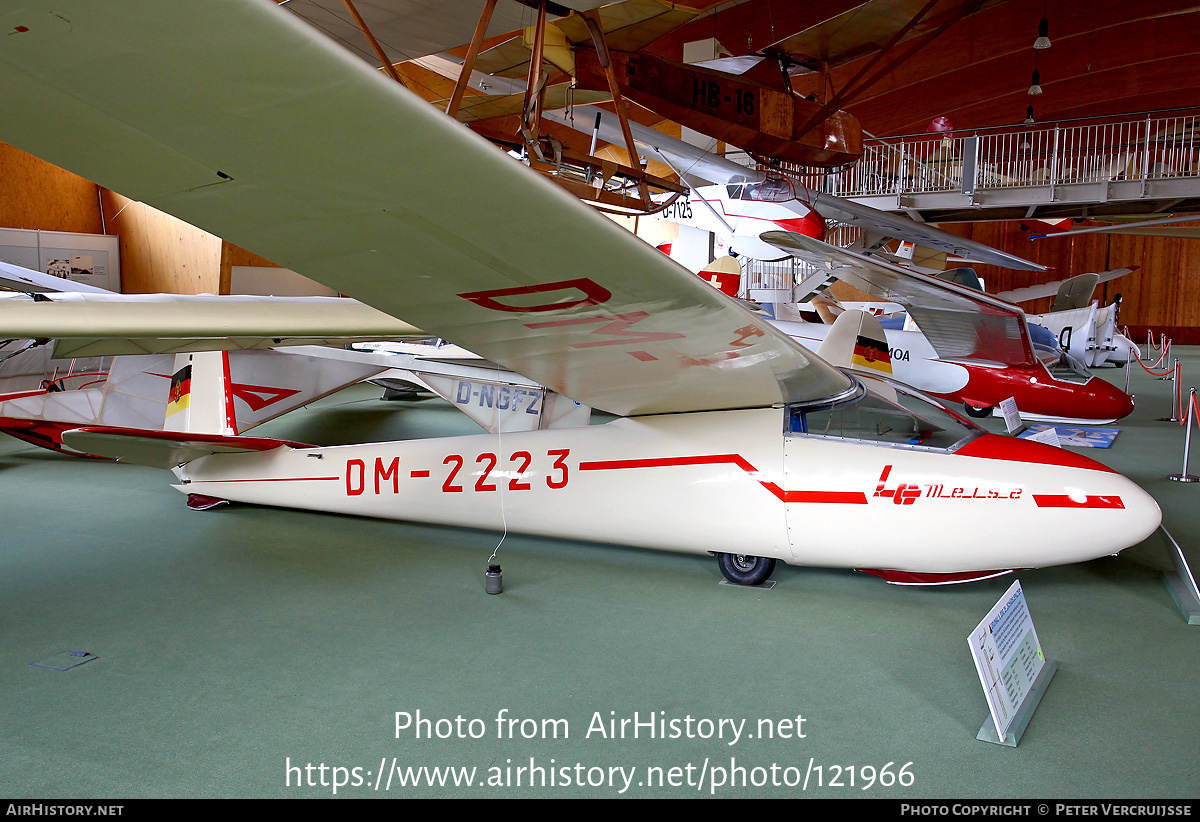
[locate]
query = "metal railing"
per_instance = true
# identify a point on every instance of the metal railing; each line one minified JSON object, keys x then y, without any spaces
{"x":777,"y":275}
{"x":1145,"y":148}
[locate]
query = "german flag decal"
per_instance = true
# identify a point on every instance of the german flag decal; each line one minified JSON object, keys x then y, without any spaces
{"x":870,"y":353}
{"x":180,"y":395}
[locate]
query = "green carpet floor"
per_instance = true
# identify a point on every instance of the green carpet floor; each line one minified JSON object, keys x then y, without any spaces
{"x":235,"y":644}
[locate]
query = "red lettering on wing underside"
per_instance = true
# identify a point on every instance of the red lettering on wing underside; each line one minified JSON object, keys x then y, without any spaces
{"x":745,"y":333}
{"x":617,"y":325}
{"x":572,"y":294}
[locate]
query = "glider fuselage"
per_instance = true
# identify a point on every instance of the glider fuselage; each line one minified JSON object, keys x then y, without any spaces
{"x":722,"y":482}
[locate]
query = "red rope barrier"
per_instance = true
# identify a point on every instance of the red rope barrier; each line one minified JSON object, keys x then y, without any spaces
{"x":1155,"y":373}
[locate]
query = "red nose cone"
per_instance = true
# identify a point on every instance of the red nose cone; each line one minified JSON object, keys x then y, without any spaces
{"x":811,"y":224}
{"x":1110,"y":402}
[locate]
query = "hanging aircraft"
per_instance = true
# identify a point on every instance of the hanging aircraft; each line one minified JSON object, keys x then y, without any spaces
{"x":730,"y":436}
{"x":743,"y":204}
{"x":739,"y":203}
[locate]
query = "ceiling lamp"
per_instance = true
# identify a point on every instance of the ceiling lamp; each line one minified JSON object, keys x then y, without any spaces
{"x":1043,"y":38}
{"x":1029,"y":116}
{"x":1035,"y":88}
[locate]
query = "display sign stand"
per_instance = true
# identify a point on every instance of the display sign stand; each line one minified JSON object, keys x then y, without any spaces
{"x":1012,"y":417}
{"x":1011,"y":667}
{"x":988,"y":733}
{"x":1181,"y":583}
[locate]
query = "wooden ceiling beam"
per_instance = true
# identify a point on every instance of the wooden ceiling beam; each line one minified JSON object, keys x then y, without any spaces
{"x":752,"y":26}
{"x":987,"y":62}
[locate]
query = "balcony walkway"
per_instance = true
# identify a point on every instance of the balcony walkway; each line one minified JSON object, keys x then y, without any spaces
{"x":1145,"y":165}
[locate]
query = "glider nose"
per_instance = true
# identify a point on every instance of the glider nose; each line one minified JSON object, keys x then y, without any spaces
{"x":1081,"y":509}
{"x":1100,"y":511}
{"x":1144,"y":514}
{"x":1109,"y":401}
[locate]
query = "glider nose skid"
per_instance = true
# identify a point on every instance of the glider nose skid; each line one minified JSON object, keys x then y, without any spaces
{"x":1080,"y":508}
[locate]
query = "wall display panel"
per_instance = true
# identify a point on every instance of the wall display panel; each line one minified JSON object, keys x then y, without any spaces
{"x":90,"y":259}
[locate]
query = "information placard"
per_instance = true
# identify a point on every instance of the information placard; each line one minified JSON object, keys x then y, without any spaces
{"x":1007,"y":656}
{"x":1012,"y":417}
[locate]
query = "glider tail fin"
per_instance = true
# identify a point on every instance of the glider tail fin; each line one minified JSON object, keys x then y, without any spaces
{"x":724,"y":274}
{"x":857,"y":341}
{"x":201,"y":395}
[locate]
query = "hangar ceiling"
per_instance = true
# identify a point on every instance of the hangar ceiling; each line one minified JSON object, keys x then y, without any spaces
{"x":909,"y":61}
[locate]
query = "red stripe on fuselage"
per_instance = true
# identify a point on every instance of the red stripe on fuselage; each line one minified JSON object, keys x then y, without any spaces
{"x":1065,"y":501}
{"x":841,"y":497}
{"x":1014,"y":449}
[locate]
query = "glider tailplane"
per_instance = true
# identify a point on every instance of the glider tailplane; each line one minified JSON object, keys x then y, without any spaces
{"x":200,"y":421}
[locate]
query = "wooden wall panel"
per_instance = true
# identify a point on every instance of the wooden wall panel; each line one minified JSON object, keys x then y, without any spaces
{"x":159,"y":253}
{"x":232,"y":255}
{"x":1162,"y":295}
{"x":37,"y":195}
{"x":1189,"y":282}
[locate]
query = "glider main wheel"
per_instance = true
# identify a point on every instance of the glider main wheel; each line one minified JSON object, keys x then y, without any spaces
{"x":743,"y":569}
{"x":978,"y":413}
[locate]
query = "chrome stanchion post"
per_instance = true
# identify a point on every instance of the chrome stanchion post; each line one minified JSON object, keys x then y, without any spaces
{"x":1175,"y":409}
{"x":1164,"y":357}
{"x":1187,"y":443}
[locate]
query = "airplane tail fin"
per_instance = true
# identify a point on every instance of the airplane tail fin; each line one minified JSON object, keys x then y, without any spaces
{"x":857,"y":341}
{"x":200,"y":400}
{"x":1075,"y":292}
{"x":724,"y":274}
{"x":200,"y":420}
{"x":827,"y":308}
{"x":229,"y":392}
{"x":962,"y":276}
